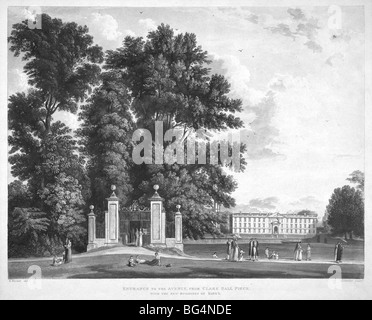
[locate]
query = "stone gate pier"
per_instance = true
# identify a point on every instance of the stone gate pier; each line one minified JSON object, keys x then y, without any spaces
{"x":117,"y":232}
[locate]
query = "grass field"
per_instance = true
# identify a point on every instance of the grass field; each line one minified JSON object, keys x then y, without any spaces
{"x":114,"y":266}
{"x":320,"y":252}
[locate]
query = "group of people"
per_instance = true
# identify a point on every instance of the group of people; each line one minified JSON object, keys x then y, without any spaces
{"x":66,"y":256}
{"x":133,"y":262}
{"x":139,"y":237}
{"x":299,"y":252}
{"x":236,"y":254}
{"x":271,"y":256}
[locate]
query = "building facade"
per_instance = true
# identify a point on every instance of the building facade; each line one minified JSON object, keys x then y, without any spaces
{"x":274,"y":224}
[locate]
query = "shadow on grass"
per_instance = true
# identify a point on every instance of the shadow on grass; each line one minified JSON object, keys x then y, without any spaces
{"x":194,"y":272}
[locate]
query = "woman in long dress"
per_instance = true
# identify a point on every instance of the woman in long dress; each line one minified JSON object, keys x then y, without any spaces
{"x":300,"y":252}
{"x":336,"y":251}
{"x":236,"y":251}
{"x":340,"y":252}
{"x":308,"y":252}
{"x":296,"y":251}
{"x":140,"y":238}
{"x":137,"y":238}
{"x":234,"y":248}
{"x":68,"y":249}
{"x":156,"y":262}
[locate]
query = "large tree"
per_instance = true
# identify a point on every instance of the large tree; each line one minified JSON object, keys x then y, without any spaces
{"x":346,"y":212}
{"x":61,"y":62}
{"x":62,"y":65}
{"x":105,"y":139}
{"x":169,"y":81}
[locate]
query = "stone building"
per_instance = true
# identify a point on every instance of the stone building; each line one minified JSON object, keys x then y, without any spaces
{"x":269,"y":224}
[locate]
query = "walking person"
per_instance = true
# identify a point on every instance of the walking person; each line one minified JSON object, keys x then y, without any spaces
{"x":254,"y":250}
{"x":339,"y":252}
{"x":137,"y":238}
{"x":229,"y":245}
{"x":298,"y":249}
{"x":68,"y":251}
{"x":336,"y":251}
{"x":234,"y":251}
{"x":140,"y":238}
{"x":308,"y":253}
{"x":250,"y":251}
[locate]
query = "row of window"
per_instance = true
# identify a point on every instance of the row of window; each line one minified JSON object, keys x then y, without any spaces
{"x":299,"y":220}
{"x":259,"y":225}
{"x":262,"y":231}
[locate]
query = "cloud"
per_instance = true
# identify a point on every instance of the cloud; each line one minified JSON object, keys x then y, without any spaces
{"x":335,"y":59}
{"x":299,"y":28}
{"x":308,"y":203}
{"x":296,"y":14}
{"x":259,"y":107}
{"x":28,"y":15}
{"x":314,"y":46}
{"x":18,"y":81}
{"x":260,"y":139}
{"x":258,"y":205}
{"x":148,"y":24}
{"x":268,"y":203}
{"x":108,"y":26}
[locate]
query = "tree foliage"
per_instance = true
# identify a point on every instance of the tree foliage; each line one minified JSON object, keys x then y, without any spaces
{"x":346,"y":212}
{"x":105,"y":139}
{"x":169,"y":81}
{"x":357,"y":178}
{"x":62,"y":65}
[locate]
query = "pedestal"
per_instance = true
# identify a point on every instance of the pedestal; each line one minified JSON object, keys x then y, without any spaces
{"x":178,"y":226}
{"x":158,"y":220}
{"x":92,"y":244}
{"x":112,"y":220}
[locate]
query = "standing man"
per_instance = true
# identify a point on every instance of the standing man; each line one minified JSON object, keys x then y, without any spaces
{"x":254,"y":250}
{"x":339,"y":252}
{"x":250,"y":251}
{"x":297,"y":251}
{"x":229,"y":244}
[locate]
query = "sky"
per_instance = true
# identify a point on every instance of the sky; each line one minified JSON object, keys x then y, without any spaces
{"x":299,"y":72}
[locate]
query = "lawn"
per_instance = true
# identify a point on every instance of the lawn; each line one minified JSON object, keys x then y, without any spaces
{"x":320,"y":252}
{"x":114,"y":267}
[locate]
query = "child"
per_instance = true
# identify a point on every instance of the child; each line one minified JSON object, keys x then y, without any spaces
{"x":241,"y":255}
{"x":267,"y":253}
{"x":131,"y":263}
{"x":57,"y":261}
